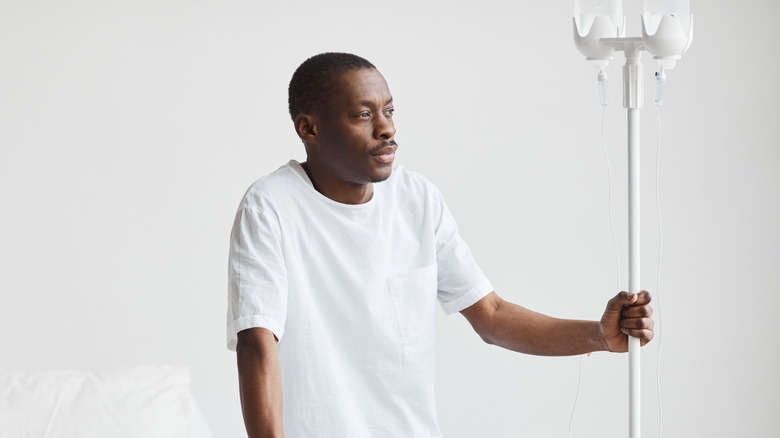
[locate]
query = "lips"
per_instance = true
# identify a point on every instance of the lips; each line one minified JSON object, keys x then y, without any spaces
{"x":385,"y":153}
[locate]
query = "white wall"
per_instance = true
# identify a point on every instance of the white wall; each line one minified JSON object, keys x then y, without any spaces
{"x":130,"y":129}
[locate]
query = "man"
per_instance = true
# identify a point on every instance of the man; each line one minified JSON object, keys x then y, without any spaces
{"x":344,"y":274}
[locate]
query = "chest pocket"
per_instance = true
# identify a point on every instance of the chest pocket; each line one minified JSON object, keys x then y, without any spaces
{"x":414,"y":300}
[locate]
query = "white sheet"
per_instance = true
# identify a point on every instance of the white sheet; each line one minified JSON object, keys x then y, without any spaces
{"x":142,"y":402}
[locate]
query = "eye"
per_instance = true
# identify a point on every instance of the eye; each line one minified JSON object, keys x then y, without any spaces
{"x":364,"y":115}
{"x":389,"y":112}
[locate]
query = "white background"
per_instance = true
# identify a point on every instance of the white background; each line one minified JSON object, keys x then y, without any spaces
{"x":130,"y":129}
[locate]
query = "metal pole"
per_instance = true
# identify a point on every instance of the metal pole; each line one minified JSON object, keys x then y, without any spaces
{"x":634,"y":420}
{"x":632,"y":101}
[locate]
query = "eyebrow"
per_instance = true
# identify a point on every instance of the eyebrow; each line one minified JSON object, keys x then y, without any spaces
{"x":367,"y":103}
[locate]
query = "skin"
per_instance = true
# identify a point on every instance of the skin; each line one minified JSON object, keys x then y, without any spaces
{"x":350,"y":145}
{"x":260,"y":383}
{"x":516,"y":328}
{"x":350,"y":142}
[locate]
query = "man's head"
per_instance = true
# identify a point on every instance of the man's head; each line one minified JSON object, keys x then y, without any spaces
{"x":313,"y":80}
{"x":343,"y":111}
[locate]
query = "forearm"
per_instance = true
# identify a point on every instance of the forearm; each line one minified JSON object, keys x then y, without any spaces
{"x":260,"y":387}
{"x":516,"y":328}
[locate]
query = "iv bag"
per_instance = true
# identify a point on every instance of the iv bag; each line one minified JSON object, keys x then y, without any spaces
{"x":656,"y":9}
{"x":585,"y":11}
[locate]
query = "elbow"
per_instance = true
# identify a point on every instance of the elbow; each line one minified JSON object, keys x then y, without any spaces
{"x":485,"y":316}
{"x":486,"y":338}
{"x":487,"y":325}
{"x":485,"y":330}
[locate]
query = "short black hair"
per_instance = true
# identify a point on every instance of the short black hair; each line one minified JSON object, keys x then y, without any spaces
{"x":310,"y":82}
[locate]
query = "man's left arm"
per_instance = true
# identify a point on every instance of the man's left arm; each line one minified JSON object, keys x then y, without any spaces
{"x":516,"y":328}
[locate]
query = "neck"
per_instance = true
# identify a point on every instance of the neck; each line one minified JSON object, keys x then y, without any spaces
{"x":337,"y":189}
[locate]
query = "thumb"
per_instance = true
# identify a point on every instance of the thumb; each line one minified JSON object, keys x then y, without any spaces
{"x":622,"y":299}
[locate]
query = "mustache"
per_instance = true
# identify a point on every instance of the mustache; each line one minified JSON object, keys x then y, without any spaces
{"x":384,"y":144}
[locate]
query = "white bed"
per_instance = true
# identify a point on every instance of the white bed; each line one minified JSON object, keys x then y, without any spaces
{"x":141,"y":402}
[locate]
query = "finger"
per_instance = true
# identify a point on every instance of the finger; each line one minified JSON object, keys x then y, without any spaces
{"x":644,"y":336}
{"x":637,"y":323}
{"x":628,"y":298}
{"x":622,"y":299}
{"x":637,"y":312}
{"x":643,"y":297}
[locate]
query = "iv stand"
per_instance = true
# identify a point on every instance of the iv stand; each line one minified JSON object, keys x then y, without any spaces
{"x":667,"y":44}
{"x":632,"y":101}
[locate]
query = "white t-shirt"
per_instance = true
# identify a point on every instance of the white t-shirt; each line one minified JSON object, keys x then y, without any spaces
{"x":350,"y":291}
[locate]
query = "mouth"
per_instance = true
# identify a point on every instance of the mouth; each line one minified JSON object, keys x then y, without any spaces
{"x":385,"y":152}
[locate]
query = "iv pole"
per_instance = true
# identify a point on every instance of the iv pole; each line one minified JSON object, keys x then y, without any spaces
{"x":632,"y":101}
{"x":667,"y":44}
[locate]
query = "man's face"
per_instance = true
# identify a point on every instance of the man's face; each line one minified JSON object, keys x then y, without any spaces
{"x":355,"y":129}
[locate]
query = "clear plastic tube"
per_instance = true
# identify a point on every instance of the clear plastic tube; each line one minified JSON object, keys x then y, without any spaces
{"x":603,"y":88}
{"x":660,"y":83}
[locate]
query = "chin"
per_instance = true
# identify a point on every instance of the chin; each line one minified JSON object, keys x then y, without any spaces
{"x":383,"y":175}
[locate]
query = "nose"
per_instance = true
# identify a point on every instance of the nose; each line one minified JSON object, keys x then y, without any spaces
{"x":384,"y":128}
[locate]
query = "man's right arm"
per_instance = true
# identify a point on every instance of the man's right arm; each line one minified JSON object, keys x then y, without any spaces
{"x":260,"y":383}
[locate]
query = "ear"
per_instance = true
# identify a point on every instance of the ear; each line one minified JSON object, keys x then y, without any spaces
{"x":306,"y":128}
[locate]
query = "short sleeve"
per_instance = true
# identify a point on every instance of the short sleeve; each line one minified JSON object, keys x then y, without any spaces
{"x":461,"y":282}
{"x":257,"y":276}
